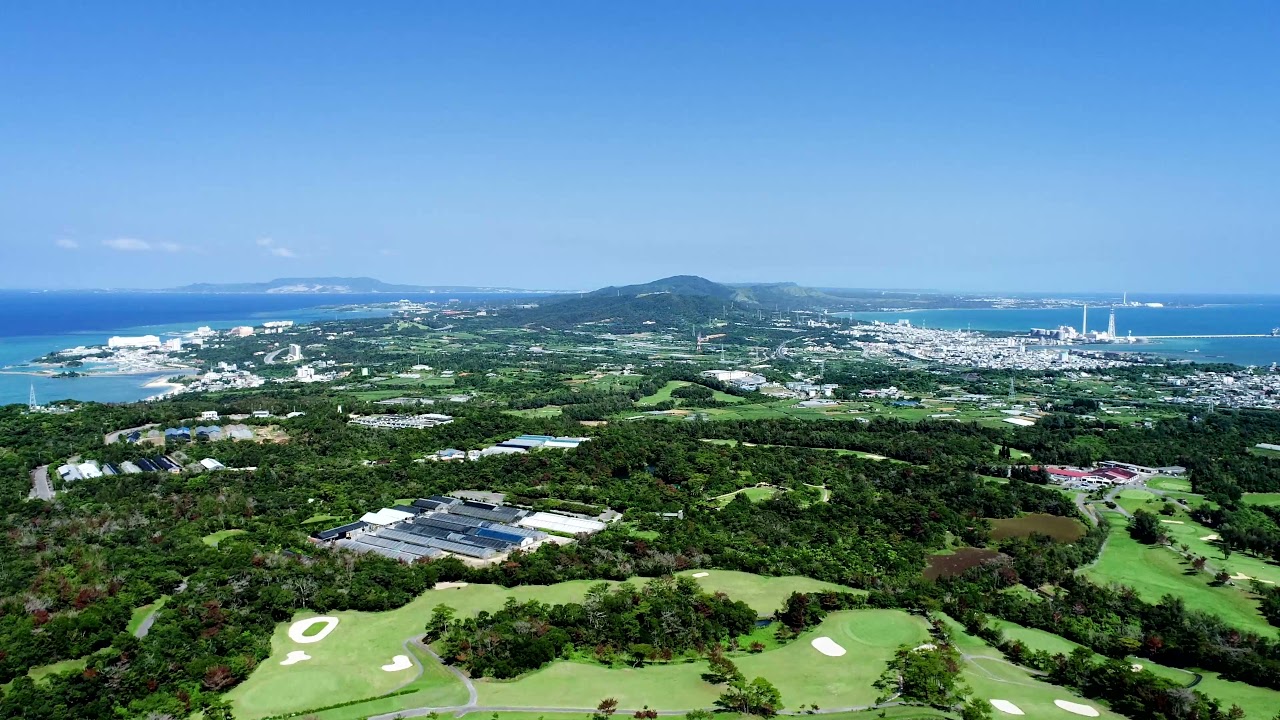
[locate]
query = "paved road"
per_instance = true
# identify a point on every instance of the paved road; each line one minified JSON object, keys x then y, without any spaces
{"x":114,"y":437}
{"x":1085,"y":509}
{"x":41,"y":488}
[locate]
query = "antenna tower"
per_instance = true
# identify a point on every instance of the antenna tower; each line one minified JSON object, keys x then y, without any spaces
{"x":31,"y":399}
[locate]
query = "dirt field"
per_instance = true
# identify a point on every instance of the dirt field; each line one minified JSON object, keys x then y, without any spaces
{"x":1062,"y":529}
{"x":957,"y":562}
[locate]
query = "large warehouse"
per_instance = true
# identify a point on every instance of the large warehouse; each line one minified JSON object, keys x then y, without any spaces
{"x":438,"y":525}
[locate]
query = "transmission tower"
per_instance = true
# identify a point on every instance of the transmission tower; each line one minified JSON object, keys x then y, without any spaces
{"x":31,"y":399}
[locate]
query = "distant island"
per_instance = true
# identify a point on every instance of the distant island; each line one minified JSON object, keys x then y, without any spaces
{"x":337,"y":286}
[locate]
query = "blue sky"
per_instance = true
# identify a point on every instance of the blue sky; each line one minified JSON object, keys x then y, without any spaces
{"x":962,"y":145}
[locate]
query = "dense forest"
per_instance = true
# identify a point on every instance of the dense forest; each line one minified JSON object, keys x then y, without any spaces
{"x":72,"y":571}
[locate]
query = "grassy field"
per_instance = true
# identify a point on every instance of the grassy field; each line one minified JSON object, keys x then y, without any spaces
{"x":212,"y":539}
{"x":1271,"y":499}
{"x":1168,"y":483}
{"x":1156,"y":571}
{"x":347,"y":664}
{"x":664,"y":394}
{"x":141,"y":613}
{"x":1035,"y":639}
{"x":1255,"y":701}
{"x":754,"y":494}
{"x":991,"y":678}
{"x":801,"y":673}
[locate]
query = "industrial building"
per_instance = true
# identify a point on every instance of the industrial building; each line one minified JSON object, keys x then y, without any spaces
{"x":135,"y":341}
{"x":402,"y":422}
{"x":439,"y":525}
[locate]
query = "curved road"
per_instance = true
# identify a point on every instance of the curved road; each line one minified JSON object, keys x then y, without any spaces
{"x":41,"y":488}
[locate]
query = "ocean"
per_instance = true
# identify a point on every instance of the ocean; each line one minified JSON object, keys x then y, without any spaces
{"x":1246,"y":316}
{"x":33,"y":324}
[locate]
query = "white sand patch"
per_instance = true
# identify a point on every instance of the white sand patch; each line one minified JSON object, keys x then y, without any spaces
{"x":297,"y":629}
{"x":1005,"y":706}
{"x":449,"y":585}
{"x":1242,"y":576}
{"x":926,"y":646}
{"x":827,"y":646}
{"x":1136,"y":667}
{"x":873,"y":456}
{"x":1173,"y":522}
{"x":1076,"y":708}
{"x":701,"y":574}
{"x":295,"y":657}
{"x":1211,"y":538}
{"x":398,"y":663}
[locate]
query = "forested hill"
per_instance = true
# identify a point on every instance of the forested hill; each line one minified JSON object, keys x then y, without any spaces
{"x":676,"y":301}
{"x":626,"y":313}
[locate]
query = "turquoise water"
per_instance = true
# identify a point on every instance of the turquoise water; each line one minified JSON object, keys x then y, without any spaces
{"x":1224,"y":319}
{"x":16,"y":352}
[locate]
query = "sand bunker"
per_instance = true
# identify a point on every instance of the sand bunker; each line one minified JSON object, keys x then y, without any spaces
{"x":926,"y":646}
{"x":1211,"y":538}
{"x":449,"y":585}
{"x":297,"y":630}
{"x":827,"y":646}
{"x":1005,"y":706}
{"x":1136,"y":667}
{"x":398,"y":663}
{"x":1076,"y":708}
{"x":701,"y":574}
{"x":1173,"y":522}
{"x":295,"y":657}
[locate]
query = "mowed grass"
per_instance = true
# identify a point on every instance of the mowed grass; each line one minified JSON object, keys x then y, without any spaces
{"x":765,"y":595}
{"x":1034,"y":639}
{"x":1256,"y":702}
{"x":1157,"y":571}
{"x":347,"y":665}
{"x":992,"y":678}
{"x":1271,"y":499}
{"x":754,"y":494}
{"x":212,"y":539}
{"x":802,"y":674}
{"x":1168,"y":483}
{"x":140,"y":614}
{"x":1186,"y":531}
{"x":664,"y":394}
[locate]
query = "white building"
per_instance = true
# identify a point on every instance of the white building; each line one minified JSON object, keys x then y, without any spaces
{"x":209,"y":415}
{"x":240,"y":331}
{"x":173,"y":344}
{"x":135,"y":341}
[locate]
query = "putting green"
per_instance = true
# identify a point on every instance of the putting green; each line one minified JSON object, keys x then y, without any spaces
{"x":1135,"y":494}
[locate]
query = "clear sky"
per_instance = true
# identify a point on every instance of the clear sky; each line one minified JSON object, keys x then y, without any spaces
{"x":960,"y":145}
